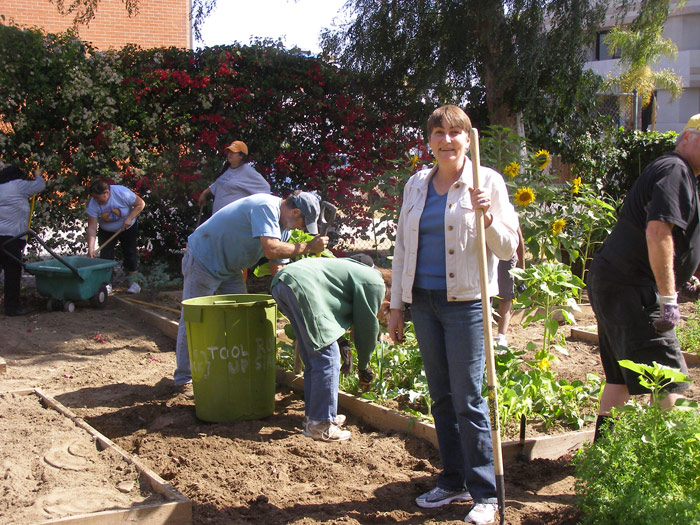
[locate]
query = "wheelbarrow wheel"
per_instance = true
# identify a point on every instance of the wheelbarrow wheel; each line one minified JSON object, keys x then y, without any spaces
{"x":100,"y":298}
{"x":52,"y":305}
{"x":69,"y":306}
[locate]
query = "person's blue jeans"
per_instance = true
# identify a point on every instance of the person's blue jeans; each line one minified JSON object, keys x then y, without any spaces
{"x":198,"y":282}
{"x":321,"y":367}
{"x":451,"y":340}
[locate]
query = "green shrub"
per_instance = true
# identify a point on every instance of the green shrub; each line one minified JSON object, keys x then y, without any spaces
{"x":644,"y":469}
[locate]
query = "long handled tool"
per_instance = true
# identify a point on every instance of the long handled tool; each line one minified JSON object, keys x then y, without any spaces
{"x":199,"y":216}
{"x":491,"y":378}
{"x":114,"y":236}
{"x":31,"y":213}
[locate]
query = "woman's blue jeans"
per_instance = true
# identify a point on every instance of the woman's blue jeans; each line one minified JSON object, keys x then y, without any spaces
{"x":321,"y":367}
{"x":451,"y":340}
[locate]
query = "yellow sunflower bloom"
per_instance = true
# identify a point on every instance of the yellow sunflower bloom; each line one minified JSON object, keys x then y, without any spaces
{"x":576,"y":185}
{"x":558,"y":226}
{"x":512,"y":170}
{"x":542,"y":159}
{"x":524,"y":196}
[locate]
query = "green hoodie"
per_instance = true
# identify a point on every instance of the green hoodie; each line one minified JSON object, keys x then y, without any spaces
{"x":334,"y":294}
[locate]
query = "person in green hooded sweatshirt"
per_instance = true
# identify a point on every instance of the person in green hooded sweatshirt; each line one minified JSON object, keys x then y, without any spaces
{"x":323,"y":297}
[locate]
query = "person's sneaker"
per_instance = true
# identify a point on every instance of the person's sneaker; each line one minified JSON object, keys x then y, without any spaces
{"x":134,"y":288}
{"x":439,"y":497}
{"x":482,"y":513}
{"x":186,"y":390}
{"x":325,"y":431}
{"x":109,"y":288}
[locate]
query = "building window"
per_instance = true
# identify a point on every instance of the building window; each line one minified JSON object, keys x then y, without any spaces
{"x":601,"y":50}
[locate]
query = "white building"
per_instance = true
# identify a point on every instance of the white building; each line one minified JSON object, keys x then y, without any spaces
{"x":683,"y":28}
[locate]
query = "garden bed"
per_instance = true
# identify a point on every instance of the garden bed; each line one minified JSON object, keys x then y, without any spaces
{"x":114,"y":370}
{"x":58,"y":468}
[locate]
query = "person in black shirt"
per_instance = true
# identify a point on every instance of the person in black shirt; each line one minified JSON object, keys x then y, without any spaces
{"x":653,"y":249}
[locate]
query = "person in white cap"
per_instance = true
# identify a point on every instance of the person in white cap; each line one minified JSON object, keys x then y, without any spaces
{"x":237,"y":179}
{"x":236,"y":237}
{"x":653,"y":249}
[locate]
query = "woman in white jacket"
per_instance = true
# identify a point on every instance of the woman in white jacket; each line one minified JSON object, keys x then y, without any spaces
{"x":435,"y":269}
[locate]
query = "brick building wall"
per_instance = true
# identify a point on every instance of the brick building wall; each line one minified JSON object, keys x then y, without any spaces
{"x":158,"y":22}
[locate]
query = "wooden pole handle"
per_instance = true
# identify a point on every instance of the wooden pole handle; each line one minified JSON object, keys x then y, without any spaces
{"x":491,"y":378}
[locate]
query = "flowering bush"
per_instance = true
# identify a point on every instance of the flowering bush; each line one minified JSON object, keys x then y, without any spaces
{"x":158,"y":121}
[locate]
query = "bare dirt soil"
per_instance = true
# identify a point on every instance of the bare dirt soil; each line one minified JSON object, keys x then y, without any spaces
{"x":115,"y":371}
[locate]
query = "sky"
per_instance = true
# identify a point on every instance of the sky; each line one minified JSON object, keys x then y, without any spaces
{"x":297,"y":22}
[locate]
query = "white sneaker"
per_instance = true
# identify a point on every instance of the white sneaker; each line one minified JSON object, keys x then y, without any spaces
{"x":134,"y":288}
{"x":109,"y":288}
{"x":325,"y":431}
{"x":501,"y":340}
{"x":482,"y":513}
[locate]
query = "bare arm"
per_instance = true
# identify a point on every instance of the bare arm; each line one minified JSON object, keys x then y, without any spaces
{"x":137,"y":208}
{"x":276,"y":249}
{"x":92,"y":235}
{"x":660,"y":246}
{"x":203,"y":197}
{"x":520,"y":250}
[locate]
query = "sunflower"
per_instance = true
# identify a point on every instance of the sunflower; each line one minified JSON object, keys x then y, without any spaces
{"x":558,"y":226}
{"x":542,"y":158}
{"x":512,"y":169}
{"x":576,"y":185}
{"x":524,"y":196}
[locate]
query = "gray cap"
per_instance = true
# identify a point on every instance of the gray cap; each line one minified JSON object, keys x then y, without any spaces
{"x":310,"y":206}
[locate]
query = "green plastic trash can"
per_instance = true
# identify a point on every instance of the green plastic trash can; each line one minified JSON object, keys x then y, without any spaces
{"x":231,"y":341}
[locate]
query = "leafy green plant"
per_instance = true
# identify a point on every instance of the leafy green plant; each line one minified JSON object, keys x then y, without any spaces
{"x":531,"y":389}
{"x":400,"y":374}
{"x":549,"y":286}
{"x":643,"y":470}
{"x":525,"y":388}
{"x":296,"y":237}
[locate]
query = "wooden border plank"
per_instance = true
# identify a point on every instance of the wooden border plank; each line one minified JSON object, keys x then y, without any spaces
{"x":164,"y":324}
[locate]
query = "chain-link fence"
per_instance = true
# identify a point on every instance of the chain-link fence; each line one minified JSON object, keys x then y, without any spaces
{"x":375,"y":240}
{"x":621,"y":108}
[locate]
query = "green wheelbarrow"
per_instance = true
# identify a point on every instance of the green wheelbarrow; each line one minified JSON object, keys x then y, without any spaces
{"x":66,"y":280}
